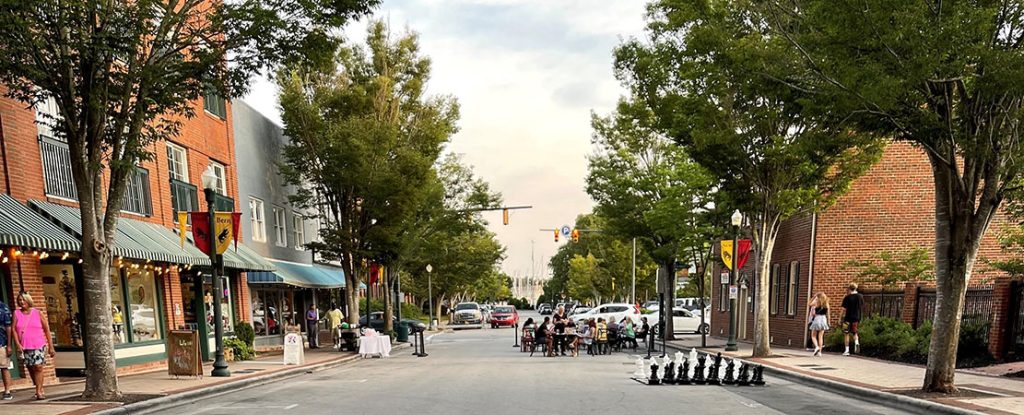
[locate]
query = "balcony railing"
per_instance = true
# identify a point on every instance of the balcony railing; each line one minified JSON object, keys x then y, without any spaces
{"x":137,"y":197}
{"x":184,"y":197}
{"x":57,"y":175}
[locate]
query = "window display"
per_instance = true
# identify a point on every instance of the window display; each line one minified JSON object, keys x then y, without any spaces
{"x":188,"y":296}
{"x":143,"y":303}
{"x":117,"y":307}
{"x":62,"y":311}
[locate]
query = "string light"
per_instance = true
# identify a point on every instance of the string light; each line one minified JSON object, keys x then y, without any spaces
{"x":4,"y":260}
{"x":63,"y":257}
{"x":43,"y":255}
{"x":17,"y":252}
{"x":79,"y":260}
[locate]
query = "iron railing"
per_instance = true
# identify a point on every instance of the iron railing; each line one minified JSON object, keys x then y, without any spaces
{"x":977,"y":306}
{"x":57,"y":176}
{"x":883,"y":304}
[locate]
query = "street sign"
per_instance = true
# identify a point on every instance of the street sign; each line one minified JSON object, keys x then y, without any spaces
{"x":565,"y":230}
{"x":724,"y":277}
{"x":734,"y":292}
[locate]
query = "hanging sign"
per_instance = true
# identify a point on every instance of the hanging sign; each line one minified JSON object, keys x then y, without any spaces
{"x":224,"y":230}
{"x":565,"y":230}
{"x":201,"y":231}
{"x":744,"y":253}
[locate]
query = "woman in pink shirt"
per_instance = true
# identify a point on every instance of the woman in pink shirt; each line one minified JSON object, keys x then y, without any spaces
{"x":32,"y":338}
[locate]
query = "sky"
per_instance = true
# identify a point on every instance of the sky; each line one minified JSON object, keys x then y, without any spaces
{"x":527,"y":74}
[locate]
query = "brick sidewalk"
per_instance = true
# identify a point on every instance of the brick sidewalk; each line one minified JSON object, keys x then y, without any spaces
{"x":159,"y":383}
{"x":1002,"y":395}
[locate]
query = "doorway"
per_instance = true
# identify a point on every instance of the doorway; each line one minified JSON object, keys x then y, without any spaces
{"x":7,"y":297}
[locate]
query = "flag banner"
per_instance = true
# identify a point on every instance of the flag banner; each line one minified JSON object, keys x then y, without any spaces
{"x":236,"y":218}
{"x":201,"y":231}
{"x":727,"y":254}
{"x":375,"y":271}
{"x":182,"y":226}
{"x":223,"y":230}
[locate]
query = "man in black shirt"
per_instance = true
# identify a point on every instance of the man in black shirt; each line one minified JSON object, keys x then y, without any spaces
{"x":852,"y":304}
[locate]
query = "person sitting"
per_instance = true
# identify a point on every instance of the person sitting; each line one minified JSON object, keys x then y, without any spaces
{"x":585,"y":336}
{"x":644,"y":330}
{"x":601,"y":337}
{"x":570,"y":340}
{"x":628,"y":334}
{"x":544,"y":335}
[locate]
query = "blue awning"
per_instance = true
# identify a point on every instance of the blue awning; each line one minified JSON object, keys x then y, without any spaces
{"x":300,"y":275}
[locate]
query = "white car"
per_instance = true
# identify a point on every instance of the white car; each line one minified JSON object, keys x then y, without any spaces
{"x":683,"y":321}
{"x":468,"y":314}
{"x":611,"y":311}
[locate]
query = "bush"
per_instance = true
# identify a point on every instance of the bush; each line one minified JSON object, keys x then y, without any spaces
{"x":891,"y":339}
{"x":242,"y":350}
{"x":245,"y":333}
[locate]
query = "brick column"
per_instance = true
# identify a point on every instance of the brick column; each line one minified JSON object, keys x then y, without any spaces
{"x":909,"y":302}
{"x":1002,"y":291}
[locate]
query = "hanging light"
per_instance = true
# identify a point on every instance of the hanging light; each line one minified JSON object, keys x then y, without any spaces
{"x":4,"y":261}
{"x":63,"y":257}
{"x":79,"y":260}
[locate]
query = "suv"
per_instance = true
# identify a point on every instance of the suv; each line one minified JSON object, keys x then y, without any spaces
{"x":467,"y":313}
{"x":544,"y":308}
{"x":610,"y":311}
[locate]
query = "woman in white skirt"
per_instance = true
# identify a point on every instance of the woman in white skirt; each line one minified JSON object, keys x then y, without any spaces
{"x":818,"y":314}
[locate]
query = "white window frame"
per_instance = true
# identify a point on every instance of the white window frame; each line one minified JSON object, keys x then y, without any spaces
{"x":299,"y":230}
{"x":791,"y":290}
{"x":173,"y":165}
{"x":280,"y":229}
{"x":220,"y":171}
{"x":256,"y":218}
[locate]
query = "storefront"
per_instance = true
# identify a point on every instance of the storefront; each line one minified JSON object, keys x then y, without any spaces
{"x":283,"y":296}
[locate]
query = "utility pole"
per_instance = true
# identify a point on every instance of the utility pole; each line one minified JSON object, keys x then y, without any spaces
{"x":632,"y":293}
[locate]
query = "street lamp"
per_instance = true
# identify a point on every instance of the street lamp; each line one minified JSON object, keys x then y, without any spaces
{"x":220,"y":366}
{"x":737,"y":219}
{"x":430,"y":297}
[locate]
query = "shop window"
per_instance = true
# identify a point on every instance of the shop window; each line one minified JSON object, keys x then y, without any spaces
{"x":61,"y":302}
{"x":188,"y":300}
{"x":117,"y":307}
{"x":266,"y":318}
{"x":143,"y":304}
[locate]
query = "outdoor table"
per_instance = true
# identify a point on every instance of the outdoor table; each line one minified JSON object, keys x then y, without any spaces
{"x":375,"y":345}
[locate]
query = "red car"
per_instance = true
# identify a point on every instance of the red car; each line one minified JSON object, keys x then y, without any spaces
{"x":504,"y":315}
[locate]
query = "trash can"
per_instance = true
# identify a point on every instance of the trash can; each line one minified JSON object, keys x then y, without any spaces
{"x":402,"y":333}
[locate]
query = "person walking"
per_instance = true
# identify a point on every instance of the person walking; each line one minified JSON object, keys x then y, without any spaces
{"x":852,"y":304}
{"x":32,"y":338}
{"x":311,"y":326}
{"x":818,"y":314}
{"x":5,"y":349}
{"x":334,"y":318}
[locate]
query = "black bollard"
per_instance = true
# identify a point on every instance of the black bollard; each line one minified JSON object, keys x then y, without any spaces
{"x":713,"y":372}
{"x":698,"y":371}
{"x":515,"y":333}
{"x":654,"y":374}
{"x":729,"y":379}
{"x":758,"y":379}
{"x":423,"y":346}
{"x":684,"y":373}
{"x":744,"y":378}
{"x":670,"y":373}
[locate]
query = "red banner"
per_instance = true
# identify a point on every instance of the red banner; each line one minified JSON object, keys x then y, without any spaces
{"x":201,"y":231}
{"x":375,"y":270}
{"x":236,"y":218}
{"x":744,"y":253}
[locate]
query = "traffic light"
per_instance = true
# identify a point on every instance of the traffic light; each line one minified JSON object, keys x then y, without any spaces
{"x":504,"y":216}
{"x":575,"y":235}
{"x":556,"y":235}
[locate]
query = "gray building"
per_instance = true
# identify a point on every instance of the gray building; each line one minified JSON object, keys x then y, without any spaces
{"x":277,"y":231}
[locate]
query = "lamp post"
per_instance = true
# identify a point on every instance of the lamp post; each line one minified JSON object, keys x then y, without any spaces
{"x":430,"y":297}
{"x":220,"y":366}
{"x":737,"y":219}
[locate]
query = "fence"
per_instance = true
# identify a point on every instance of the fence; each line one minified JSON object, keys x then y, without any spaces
{"x":977,"y":306}
{"x":883,"y":304}
{"x":1016,"y":318}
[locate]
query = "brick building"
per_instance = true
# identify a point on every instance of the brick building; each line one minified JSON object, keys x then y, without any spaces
{"x":153,"y":276}
{"x":890,"y":208}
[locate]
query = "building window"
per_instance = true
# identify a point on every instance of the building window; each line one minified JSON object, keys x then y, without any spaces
{"x":56,"y":156}
{"x":300,"y":231}
{"x":281,"y":237}
{"x":177,"y":162}
{"x":143,"y":317}
{"x":184,"y":198}
{"x":221,"y":184}
{"x":794,"y":278}
{"x":259,"y":232}
{"x":214,"y":104}
{"x":137,"y":198}
{"x":773,"y":290}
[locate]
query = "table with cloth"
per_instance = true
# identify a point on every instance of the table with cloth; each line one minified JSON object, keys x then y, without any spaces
{"x":375,"y":345}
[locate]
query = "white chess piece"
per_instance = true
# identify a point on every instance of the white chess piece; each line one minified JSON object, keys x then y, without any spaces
{"x":641,"y":370}
{"x":693,"y":357}
{"x":679,"y":359}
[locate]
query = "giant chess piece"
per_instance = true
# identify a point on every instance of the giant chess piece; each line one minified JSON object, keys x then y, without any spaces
{"x":713,"y":371}
{"x":640,"y":373}
{"x":684,"y":374}
{"x":744,"y":378}
{"x":758,"y":379}
{"x":670,"y":372}
{"x":653,"y":380}
{"x":693,"y":357}
{"x":679,"y":358}
{"x":729,"y":379}
{"x":698,"y":371}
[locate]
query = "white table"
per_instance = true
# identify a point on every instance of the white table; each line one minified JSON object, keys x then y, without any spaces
{"x":375,"y":345}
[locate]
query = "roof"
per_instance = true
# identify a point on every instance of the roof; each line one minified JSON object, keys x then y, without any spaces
{"x":300,"y":275}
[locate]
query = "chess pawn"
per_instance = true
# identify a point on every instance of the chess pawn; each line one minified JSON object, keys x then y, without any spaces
{"x":640,"y":373}
{"x":729,"y":379}
{"x":713,"y":371}
{"x":653,"y":380}
{"x":758,"y":379}
{"x":684,"y":374}
{"x":670,"y":373}
{"x":744,"y":377}
{"x":698,"y":371}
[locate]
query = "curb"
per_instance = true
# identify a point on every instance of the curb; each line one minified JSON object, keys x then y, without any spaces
{"x":857,"y":392}
{"x":178,"y":399}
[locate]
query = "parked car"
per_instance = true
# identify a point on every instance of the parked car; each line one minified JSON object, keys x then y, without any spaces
{"x":578,"y":310}
{"x":610,"y":311}
{"x":377,"y":321}
{"x":504,"y":315}
{"x":467,"y":313}
{"x":683,"y":321}
{"x":544,"y":308}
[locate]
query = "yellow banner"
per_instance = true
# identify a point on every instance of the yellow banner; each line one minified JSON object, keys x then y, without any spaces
{"x":727,"y":253}
{"x":182,"y":225}
{"x":223,"y":231}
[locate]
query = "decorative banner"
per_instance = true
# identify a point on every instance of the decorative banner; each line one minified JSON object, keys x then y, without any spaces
{"x":182,"y":225}
{"x":743,"y":256}
{"x":201,"y":231}
{"x":236,"y":217}
{"x":375,"y":272}
{"x":223,"y":230}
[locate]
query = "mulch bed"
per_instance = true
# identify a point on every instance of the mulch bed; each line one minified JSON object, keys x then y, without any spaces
{"x":126,"y":398}
{"x":961,"y":394}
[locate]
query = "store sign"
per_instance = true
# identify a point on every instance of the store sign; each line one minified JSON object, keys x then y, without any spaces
{"x":293,"y":353}
{"x":183,"y":353}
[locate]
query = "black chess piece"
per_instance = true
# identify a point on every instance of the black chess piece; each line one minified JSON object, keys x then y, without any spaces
{"x":758,"y":379}
{"x":744,"y":378}
{"x":698,"y":371}
{"x":670,"y":374}
{"x":729,"y":368}
{"x":654,"y":374}
{"x":684,"y":374}
{"x":713,"y":371}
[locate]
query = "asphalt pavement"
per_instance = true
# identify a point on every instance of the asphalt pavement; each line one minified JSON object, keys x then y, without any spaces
{"x":479,"y":372}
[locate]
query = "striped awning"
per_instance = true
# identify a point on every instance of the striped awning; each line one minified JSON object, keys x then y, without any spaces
{"x":300,"y":275}
{"x":20,"y":226}
{"x":246,"y":259}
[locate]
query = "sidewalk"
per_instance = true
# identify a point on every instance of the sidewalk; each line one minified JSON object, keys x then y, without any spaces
{"x":989,"y":394}
{"x":160,"y":384}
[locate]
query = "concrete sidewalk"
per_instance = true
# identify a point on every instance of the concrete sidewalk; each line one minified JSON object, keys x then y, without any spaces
{"x":989,"y":394}
{"x":161,"y":384}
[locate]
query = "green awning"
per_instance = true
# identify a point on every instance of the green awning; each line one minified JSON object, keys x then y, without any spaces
{"x":246,"y":259}
{"x":300,"y":275}
{"x":20,"y":226}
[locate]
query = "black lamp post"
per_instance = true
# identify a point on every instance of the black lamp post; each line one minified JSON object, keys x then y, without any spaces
{"x":220,"y":366}
{"x":737,"y":219}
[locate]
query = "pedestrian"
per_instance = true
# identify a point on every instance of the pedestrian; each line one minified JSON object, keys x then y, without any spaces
{"x":818,"y":315}
{"x":311,"y":326}
{"x":5,"y":349}
{"x":852,"y":304}
{"x":334,"y":318}
{"x":32,"y":338}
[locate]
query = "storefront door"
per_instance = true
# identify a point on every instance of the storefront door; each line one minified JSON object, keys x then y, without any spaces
{"x":7,"y":296}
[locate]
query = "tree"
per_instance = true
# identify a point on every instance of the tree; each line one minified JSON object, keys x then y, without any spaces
{"x":947,"y":76}
{"x":364,"y":139}
{"x":126,"y":74}
{"x":720,"y":87}
{"x":646,"y":186}
{"x":895,"y":267}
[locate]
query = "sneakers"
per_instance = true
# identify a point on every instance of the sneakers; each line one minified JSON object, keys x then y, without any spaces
{"x":8,"y":396}
{"x":846,"y":353}
{"x":817,"y":352}
{"x":856,"y":348}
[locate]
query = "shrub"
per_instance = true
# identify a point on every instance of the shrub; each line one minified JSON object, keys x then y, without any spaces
{"x":242,"y":350}
{"x":891,"y":339}
{"x":245,"y":333}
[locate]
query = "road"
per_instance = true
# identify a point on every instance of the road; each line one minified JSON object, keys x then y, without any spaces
{"x":479,"y":372}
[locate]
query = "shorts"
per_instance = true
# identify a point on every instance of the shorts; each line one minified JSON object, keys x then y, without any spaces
{"x":850,"y":327}
{"x":5,"y":360}
{"x":33,"y":357}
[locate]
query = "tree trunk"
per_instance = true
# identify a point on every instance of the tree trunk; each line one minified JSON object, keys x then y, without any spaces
{"x":764,"y":240}
{"x":389,"y":325}
{"x":666,"y":284}
{"x":101,"y":372}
